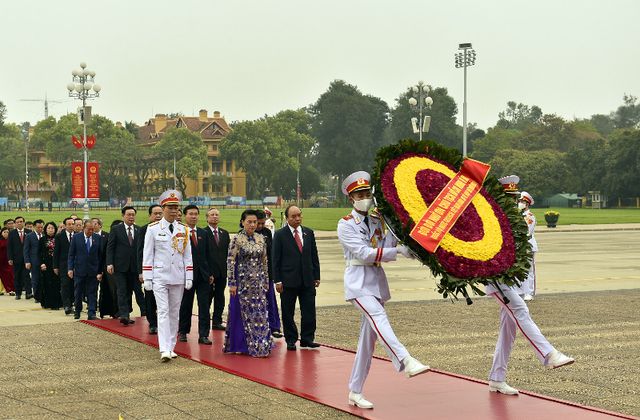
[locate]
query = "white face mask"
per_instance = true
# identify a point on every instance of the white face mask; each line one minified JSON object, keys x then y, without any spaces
{"x":363,"y":205}
{"x":522,"y":205}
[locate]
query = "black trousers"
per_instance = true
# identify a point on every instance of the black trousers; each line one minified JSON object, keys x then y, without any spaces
{"x":152,"y":308}
{"x":21,"y":279}
{"x":218,"y":300}
{"x":307,"y":297}
{"x":66,"y":290}
{"x":125,"y":284}
{"x":201,"y":290}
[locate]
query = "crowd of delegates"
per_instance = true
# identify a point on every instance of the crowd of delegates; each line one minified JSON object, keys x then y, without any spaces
{"x":76,"y":265}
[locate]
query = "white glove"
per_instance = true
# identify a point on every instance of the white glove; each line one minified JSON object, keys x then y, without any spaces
{"x":404,"y":250}
{"x":148,"y":285}
{"x":188,"y":284}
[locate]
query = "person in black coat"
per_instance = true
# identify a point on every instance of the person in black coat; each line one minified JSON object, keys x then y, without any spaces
{"x":84,"y":266}
{"x":60,"y":259}
{"x":155,"y":215}
{"x":122,"y":258}
{"x":15,"y":255}
{"x":31,"y":249}
{"x":107,"y":298}
{"x":217,"y":259}
{"x":49,"y":280}
{"x":202,"y":280}
{"x":296,"y":274}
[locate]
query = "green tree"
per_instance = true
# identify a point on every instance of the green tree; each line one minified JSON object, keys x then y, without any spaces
{"x":603,"y":123}
{"x":349,"y":127}
{"x":628,"y":114}
{"x":497,"y":138}
{"x":519,"y":116}
{"x":443,"y":128}
{"x":542,"y":172}
{"x":269,"y":150}
{"x":623,"y":164}
{"x":189,"y":151}
{"x":12,"y":173}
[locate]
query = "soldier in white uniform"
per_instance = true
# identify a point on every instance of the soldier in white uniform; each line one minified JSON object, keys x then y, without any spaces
{"x":167,"y":269}
{"x":366,"y":246}
{"x":515,"y":315}
{"x":528,"y":286}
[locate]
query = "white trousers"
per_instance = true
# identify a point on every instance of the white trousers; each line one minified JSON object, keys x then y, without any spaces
{"x":515,"y":315}
{"x":528,"y":286}
{"x":168,"y":299}
{"x":374,"y":325}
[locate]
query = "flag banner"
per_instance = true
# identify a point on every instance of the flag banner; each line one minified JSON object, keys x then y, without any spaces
{"x":77,"y":180}
{"x":76,"y":142}
{"x":91,"y":141}
{"x":93,"y":180}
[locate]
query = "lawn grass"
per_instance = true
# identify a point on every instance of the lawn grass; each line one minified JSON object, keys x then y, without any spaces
{"x":327,"y":219}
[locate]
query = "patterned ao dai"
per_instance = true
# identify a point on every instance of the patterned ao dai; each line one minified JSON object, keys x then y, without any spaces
{"x":247,"y":325}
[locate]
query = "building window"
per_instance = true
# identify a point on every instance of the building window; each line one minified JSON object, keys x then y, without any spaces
{"x":205,"y":186}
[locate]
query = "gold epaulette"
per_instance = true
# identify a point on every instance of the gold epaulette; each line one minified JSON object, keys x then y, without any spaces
{"x":347,"y":217}
{"x":154,"y":223}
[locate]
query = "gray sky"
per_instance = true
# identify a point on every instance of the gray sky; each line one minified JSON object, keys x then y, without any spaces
{"x":250,"y":58}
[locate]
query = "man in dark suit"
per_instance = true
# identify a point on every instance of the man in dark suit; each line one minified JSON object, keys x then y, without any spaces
{"x":15,"y":255}
{"x":122,"y":258}
{"x":60,"y":259}
{"x":296,"y":274}
{"x":107,"y":299}
{"x":202,"y":280}
{"x":84,"y":266}
{"x":155,"y":215}
{"x":217,"y":259}
{"x":31,"y":251}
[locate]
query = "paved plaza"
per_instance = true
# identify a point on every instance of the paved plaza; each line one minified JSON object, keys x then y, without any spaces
{"x":589,"y":295}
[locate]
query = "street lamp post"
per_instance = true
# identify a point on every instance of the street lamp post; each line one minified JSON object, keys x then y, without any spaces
{"x":298,"y":181}
{"x":82,"y":87}
{"x":465,"y":59}
{"x":26,"y":172}
{"x":420,"y":125}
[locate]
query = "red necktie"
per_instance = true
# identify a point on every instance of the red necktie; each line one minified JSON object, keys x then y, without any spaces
{"x":215,"y":236}
{"x":21,"y":236}
{"x":194,"y":238}
{"x":130,"y":236}
{"x":297,"y":238}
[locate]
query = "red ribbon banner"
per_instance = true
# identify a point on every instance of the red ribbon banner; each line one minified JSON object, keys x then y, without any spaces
{"x":445,"y":210}
{"x":77,"y":180}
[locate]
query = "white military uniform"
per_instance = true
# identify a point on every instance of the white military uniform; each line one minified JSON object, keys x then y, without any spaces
{"x":528,"y":286}
{"x":167,"y":263}
{"x":365,"y":286}
{"x":513,"y":316}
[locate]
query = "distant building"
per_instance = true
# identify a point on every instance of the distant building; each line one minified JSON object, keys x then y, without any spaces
{"x":221,"y":178}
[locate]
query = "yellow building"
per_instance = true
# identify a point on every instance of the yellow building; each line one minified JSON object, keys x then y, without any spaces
{"x":222,"y":178}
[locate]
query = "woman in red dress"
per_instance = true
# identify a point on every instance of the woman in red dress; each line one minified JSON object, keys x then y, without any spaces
{"x":6,"y":271}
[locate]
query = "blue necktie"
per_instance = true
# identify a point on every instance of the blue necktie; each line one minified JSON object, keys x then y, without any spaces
{"x":88,"y":244}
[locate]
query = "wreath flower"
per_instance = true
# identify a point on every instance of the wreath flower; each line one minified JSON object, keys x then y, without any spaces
{"x":487,"y":244}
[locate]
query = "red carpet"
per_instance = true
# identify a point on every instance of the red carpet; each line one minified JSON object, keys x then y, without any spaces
{"x":322,"y":377}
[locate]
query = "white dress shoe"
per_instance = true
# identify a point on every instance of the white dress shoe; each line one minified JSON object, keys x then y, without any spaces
{"x":412,"y":367}
{"x":173,"y":355}
{"x":359,"y":401}
{"x":528,"y":298}
{"x":502,"y":388}
{"x":555,"y":359}
{"x":165,"y":356}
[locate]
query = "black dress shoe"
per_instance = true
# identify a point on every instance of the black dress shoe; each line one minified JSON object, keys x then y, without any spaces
{"x":143,"y":314}
{"x":127,"y":321}
{"x":68,"y":311}
{"x":18,"y":297}
{"x":76,"y":315}
{"x":218,"y":327}
{"x":182,"y":337}
{"x":291,"y":347}
{"x":92,"y":318}
{"x":153,"y":330}
{"x":205,"y":340}
{"x":36,"y":300}
{"x":309,"y":346}
{"x":277,"y":334}
{"x":29,"y":296}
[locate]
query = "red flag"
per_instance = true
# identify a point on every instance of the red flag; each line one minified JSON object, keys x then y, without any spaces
{"x":76,"y":142}
{"x":93,"y":180}
{"x":77,"y":179}
{"x":91,"y":141}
